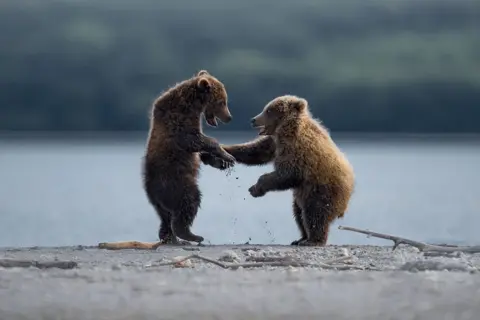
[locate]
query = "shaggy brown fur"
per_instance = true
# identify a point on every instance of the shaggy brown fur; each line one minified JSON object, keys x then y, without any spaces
{"x":305,"y":159}
{"x":171,"y":163}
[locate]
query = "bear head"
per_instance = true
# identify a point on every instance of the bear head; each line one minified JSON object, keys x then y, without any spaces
{"x":214,"y":98}
{"x":278,"y":111}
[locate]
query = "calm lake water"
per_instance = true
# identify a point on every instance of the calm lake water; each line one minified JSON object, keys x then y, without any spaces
{"x":85,"y":191}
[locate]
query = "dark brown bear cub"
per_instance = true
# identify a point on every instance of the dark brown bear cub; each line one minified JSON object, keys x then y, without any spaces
{"x":171,"y":163}
{"x":305,"y":159}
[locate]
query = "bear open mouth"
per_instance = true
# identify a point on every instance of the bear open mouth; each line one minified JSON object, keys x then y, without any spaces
{"x":211,"y":121}
{"x":262,"y":130}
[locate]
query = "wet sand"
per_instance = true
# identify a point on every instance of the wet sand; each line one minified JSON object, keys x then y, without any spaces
{"x":130,"y":284}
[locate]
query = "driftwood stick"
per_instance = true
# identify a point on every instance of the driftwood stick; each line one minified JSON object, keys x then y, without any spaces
{"x":292,"y":263}
{"x":421,"y":246}
{"x":288,"y":259}
{"x":140,"y":245}
{"x":232,"y":265}
{"x":8,"y":263}
{"x":192,"y":256}
{"x":269,"y":259}
{"x":271,"y":263}
{"x":122,"y":245}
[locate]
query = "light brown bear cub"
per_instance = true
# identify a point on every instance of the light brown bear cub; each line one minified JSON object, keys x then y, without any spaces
{"x":305,"y":159}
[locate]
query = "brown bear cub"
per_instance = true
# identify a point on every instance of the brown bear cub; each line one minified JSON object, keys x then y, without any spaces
{"x":305,"y":159}
{"x":175,"y":140}
{"x":172,"y":159}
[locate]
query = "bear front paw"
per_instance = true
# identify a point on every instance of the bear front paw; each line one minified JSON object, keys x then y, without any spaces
{"x":215,"y":162}
{"x":229,"y":159}
{"x":206,"y":158}
{"x":256,"y":191}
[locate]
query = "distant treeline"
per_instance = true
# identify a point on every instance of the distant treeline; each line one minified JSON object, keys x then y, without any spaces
{"x":364,"y":65}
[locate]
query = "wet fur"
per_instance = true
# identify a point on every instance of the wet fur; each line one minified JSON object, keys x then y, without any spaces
{"x":306,"y":160}
{"x":171,"y":162}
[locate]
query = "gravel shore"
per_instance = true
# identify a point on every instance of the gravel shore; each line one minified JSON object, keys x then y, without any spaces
{"x":132,"y":284}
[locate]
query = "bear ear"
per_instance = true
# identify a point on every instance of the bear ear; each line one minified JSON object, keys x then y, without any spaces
{"x":300,"y":104}
{"x":202,"y":73}
{"x":204,"y":85}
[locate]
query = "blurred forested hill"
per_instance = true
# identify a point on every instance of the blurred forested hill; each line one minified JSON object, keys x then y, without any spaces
{"x":364,"y":65}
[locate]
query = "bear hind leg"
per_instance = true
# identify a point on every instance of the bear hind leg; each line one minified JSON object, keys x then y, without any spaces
{"x":184,"y":213}
{"x":165,"y":232}
{"x":297,"y":214}
{"x":317,"y":217}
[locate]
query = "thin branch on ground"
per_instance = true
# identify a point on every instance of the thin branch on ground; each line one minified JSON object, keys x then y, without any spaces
{"x":8,"y":263}
{"x":288,"y":259}
{"x":421,"y":246}
{"x":266,"y":262}
{"x":269,"y":259}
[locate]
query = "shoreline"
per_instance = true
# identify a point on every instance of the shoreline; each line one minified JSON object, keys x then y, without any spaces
{"x":133,"y":284}
{"x":381,"y":257}
{"x":140,"y":135}
{"x":168,"y":247}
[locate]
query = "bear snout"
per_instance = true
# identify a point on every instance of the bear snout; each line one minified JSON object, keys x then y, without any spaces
{"x":226,"y":118}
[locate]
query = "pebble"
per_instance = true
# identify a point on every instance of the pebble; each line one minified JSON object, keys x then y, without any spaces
{"x":229,"y":256}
